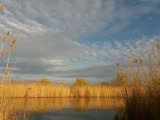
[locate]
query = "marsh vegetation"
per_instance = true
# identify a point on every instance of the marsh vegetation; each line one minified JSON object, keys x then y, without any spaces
{"x":143,"y":101}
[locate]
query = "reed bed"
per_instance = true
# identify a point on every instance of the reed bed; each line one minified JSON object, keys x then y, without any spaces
{"x":143,"y":100}
{"x":34,"y":90}
{"x":144,"y":105}
{"x":37,"y":90}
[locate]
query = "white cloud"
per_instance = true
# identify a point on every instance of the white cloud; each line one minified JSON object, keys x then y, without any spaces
{"x":54,"y":62}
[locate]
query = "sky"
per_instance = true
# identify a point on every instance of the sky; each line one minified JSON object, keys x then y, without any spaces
{"x":65,"y":39}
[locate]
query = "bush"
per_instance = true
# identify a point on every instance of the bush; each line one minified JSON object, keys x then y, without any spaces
{"x":45,"y":81}
{"x":81,"y":81}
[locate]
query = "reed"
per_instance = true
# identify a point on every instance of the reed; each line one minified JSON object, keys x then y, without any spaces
{"x":5,"y":106}
{"x":144,"y":104}
{"x":38,"y":90}
{"x":143,"y":101}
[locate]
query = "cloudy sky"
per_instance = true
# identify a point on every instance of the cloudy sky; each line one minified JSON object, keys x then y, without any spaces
{"x":63,"y":39}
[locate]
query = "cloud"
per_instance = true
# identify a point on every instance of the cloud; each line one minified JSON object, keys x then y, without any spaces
{"x":51,"y":45}
{"x":53,"y":35}
{"x":101,"y":66}
{"x":77,"y":17}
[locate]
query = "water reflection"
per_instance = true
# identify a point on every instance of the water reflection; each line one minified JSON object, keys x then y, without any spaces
{"x":86,"y":104}
{"x":31,"y":106}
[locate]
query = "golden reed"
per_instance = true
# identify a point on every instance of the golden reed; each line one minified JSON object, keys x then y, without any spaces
{"x":37,"y":90}
{"x":142,"y":101}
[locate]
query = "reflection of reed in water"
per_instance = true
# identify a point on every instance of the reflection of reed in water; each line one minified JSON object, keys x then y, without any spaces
{"x":7,"y":111}
{"x":86,"y":104}
{"x":43,"y":105}
{"x":16,"y":108}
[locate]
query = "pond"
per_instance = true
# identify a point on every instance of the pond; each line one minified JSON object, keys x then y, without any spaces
{"x":63,"y":108}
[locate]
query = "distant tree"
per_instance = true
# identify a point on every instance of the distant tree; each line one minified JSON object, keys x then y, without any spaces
{"x":81,"y":81}
{"x":45,"y":81}
{"x":121,"y":78}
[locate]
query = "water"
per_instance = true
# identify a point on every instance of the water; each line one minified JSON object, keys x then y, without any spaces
{"x":70,"y":114}
{"x":64,"y":108}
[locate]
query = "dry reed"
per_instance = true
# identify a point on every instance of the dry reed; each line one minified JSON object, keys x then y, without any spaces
{"x":143,"y":101}
{"x":37,"y":90}
{"x":1,"y":8}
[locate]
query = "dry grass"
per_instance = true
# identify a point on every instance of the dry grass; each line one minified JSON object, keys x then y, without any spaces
{"x":144,"y":104}
{"x":143,"y":99}
{"x":97,"y":91}
{"x":37,"y":90}
{"x":5,"y":106}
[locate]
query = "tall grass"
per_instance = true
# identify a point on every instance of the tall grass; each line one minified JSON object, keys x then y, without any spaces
{"x":143,"y":101}
{"x":38,"y":90}
{"x":144,"y":104}
{"x":5,"y":106}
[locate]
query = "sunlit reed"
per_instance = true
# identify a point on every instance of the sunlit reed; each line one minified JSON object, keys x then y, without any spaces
{"x":143,"y":101}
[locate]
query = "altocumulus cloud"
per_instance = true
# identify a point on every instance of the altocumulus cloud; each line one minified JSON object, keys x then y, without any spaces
{"x":50,"y":31}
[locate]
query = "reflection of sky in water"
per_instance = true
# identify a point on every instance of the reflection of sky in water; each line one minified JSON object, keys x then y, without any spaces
{"x":70,"y":114}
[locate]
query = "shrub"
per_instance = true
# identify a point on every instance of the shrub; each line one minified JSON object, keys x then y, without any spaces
{"x":45,"y":81}
{"x":81,"y":81}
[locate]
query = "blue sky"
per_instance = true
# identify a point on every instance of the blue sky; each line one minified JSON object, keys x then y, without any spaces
{"x":63,"y":39}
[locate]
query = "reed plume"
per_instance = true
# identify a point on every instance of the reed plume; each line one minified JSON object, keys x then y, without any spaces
{"x":1,"y":8}
{"x":158,"y":46}
{"x":143,"y":103}
{"x":118,"y":64}
{"x":4,"y":40}
{"x":26,"y":71}
{"x":14,"y":41}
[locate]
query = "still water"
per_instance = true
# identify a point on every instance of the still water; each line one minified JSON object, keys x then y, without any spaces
{"x":70,"y":114}
{"x":65,"y":108}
